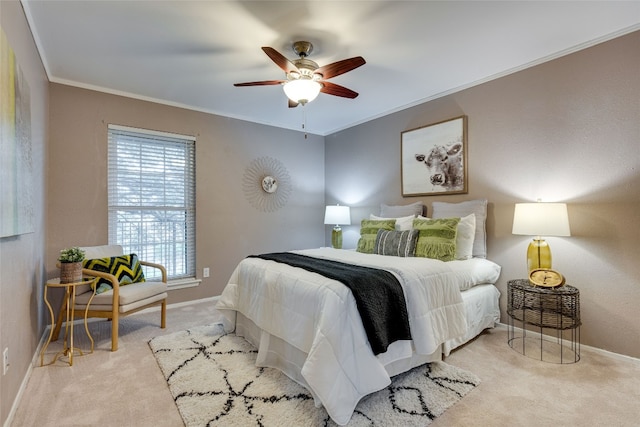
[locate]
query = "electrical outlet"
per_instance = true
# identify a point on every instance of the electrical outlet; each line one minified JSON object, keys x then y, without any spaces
{"x":205,"y":272}
{"x":5,"y":361}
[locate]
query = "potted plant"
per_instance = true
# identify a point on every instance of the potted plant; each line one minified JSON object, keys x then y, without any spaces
{"x":71,"y":265}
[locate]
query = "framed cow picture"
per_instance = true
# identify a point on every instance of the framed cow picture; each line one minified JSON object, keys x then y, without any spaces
{"x":433,"y":159}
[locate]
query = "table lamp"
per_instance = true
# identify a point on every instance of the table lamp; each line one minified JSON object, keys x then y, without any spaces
{"x":338,"y":215}
{"x":540,"y":219}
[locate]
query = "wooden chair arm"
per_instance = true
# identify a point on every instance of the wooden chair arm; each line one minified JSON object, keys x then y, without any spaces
{"x":115,"y":284}
{"x":103,"y":275}
{"x":158,"y":266}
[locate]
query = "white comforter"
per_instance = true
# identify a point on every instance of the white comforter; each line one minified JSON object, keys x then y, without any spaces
{"x":319,"y":317}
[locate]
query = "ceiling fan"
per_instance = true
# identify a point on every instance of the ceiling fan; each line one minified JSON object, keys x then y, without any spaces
{"x":305,"y":79}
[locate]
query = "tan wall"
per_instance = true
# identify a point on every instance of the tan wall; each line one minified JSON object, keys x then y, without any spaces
{"x":228,"y":226}
{"x":567,"y":130}
{"x":22,"y":257}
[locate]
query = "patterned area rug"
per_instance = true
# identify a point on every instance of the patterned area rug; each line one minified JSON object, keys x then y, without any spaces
{"x":214,"y":382}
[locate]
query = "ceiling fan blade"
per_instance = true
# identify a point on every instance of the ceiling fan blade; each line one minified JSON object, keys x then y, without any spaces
{"x":340,"y":67}
{"x":282,"y":62}
{"x":262,"y":83}
{"x":337,"y":90}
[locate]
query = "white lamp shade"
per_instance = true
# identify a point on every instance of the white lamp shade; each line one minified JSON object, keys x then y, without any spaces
{"x":541,"y":219}
{"x":302,"y":90}
{"x":338,"y":215}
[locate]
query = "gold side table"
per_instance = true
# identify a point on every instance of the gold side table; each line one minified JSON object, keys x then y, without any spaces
{"x":68,"y":304}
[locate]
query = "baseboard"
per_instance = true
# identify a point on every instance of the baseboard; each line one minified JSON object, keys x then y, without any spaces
{"x":27,"y":375}
{"x":582,"y":346}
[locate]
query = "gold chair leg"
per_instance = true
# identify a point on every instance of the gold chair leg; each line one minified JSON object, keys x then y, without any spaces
{"x":114,"y":333}
{"x":163,"y":314}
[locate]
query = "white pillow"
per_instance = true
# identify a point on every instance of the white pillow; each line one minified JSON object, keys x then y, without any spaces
{"x":465,"y":236}
{"x":402,"y":224}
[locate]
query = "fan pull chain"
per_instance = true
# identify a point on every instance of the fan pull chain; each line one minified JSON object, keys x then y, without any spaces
{"x":304,"y":121}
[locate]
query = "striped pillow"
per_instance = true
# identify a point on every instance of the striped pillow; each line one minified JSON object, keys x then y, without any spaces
{"x":126,"y":268}
{"x":396,"y":243}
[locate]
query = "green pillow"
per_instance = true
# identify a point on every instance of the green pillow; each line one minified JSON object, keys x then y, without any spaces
{"x":368,"y":232}
{"x":126,"y":268}
{"x":437,"y":238}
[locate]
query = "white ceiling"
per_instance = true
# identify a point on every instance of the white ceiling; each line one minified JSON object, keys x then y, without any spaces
{"x":189,"y":53}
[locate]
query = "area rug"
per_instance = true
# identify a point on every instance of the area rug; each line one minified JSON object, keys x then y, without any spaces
{"x":214,"y":382}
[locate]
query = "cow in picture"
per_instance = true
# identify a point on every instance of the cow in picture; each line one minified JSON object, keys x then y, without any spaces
{"x":444,"y":166}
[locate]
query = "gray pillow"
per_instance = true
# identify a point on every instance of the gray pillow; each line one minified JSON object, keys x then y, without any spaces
{"x":396,"y":211}
{"x":462,"y":209}
{"x":396,"y":243}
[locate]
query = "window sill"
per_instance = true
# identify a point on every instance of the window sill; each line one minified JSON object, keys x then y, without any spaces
{"x":183,"y":283}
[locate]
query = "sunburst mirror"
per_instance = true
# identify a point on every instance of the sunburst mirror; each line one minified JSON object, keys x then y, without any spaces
{"x":266,"y":184}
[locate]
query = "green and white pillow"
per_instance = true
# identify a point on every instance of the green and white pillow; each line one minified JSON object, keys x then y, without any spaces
{"x":369,"y":231}
{"x":437,"y":238}
{"x":396,"y":243}
{"x":465,"y":236}
{"x":126,"y":268}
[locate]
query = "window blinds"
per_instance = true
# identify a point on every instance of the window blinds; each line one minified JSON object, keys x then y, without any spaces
{"x":151,"y":187}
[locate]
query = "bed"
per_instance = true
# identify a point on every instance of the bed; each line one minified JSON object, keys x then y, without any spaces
{"x":309,"y":326}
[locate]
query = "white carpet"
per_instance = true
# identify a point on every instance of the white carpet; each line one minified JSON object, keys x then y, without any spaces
{"x":214,"y":382}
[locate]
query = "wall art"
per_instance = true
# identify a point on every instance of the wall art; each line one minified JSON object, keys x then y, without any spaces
{"x":266,"y":184}
{"x":434,"y":159}
{"x":16,"y":163}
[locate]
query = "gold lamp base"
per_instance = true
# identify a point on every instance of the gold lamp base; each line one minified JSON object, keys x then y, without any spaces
{"x":538,"y":254}
{"x":336,"y":237}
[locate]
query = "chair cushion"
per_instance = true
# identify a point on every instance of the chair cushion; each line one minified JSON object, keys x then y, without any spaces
{"x":126,"y":268}
{"x":127,"y":295}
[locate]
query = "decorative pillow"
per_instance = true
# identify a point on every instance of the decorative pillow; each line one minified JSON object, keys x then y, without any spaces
{"x":466,"y":234}
{"x":396,"y":243}
{"x":126,"y":268}
{"x":465,"y":237}
{"x":437,"y":238}
{"x":476,"y":207}
{"x":369,"y":231}
{"x":402,"y":223}
{"x":396,"y":211}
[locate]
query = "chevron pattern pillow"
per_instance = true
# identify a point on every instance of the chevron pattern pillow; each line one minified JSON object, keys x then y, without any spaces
{"x":126,"y":268}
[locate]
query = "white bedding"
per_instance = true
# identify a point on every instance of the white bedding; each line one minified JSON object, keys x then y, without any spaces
{"x":318,"y":316}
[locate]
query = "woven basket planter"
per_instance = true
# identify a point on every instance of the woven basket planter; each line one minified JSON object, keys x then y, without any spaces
{"x":70,"y":272}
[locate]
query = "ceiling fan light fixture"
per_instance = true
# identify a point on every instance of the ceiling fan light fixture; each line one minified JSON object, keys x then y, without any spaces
{"x":302,"y":90}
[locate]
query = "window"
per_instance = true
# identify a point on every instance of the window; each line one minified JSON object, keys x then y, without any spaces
{"x":151,"y":186}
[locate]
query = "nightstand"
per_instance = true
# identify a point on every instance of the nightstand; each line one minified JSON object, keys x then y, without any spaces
{"x":539,"y":309}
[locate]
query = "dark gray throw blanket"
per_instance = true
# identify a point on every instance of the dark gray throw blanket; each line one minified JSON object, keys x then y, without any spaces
{"x":378,"y":294}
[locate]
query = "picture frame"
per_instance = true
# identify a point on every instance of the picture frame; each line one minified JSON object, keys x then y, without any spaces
{"x":433,"y":159}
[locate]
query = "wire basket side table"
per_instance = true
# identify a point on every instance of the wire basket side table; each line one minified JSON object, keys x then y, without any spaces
{"x":556,"y":309}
